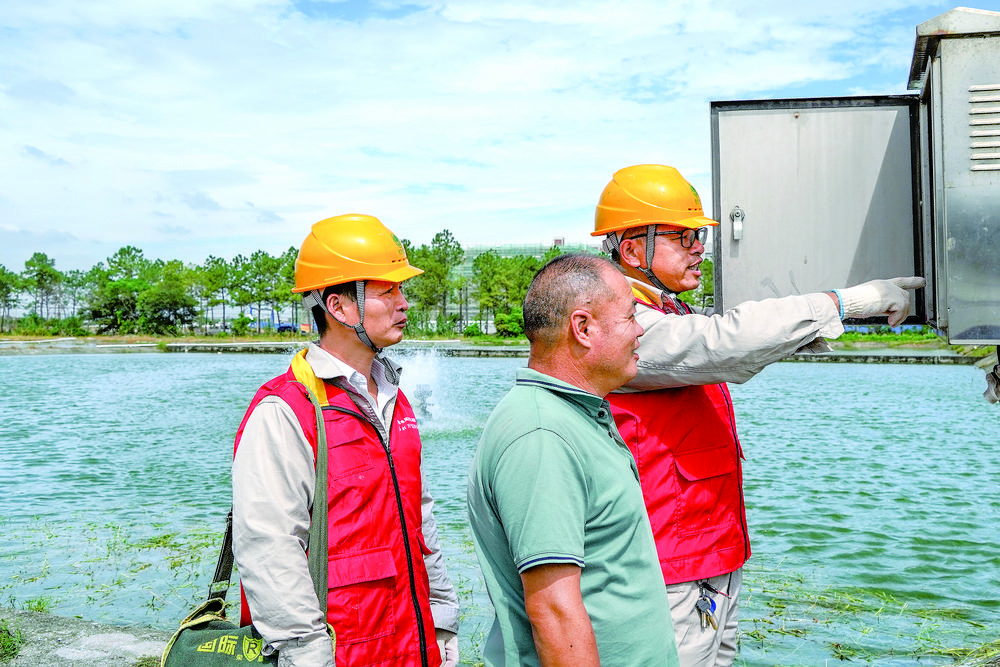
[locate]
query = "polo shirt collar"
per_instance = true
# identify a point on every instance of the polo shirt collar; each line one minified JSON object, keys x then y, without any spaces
{"x":594,"y":405}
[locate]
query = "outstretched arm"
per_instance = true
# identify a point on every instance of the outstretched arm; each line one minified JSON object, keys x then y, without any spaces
{"x":696,"y":349}
{"x":682,"y":350}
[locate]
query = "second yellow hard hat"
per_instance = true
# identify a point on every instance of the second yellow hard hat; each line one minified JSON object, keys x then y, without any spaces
{"x":648,"y":194}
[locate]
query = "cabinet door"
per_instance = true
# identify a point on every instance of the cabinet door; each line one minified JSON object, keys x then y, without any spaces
{"x":813,"y":194}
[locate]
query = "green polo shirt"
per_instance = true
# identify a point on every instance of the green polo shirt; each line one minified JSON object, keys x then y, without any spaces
{"x":552,"y":482}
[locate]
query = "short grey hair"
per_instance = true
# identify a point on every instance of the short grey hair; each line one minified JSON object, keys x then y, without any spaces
{"x":564,"y":284}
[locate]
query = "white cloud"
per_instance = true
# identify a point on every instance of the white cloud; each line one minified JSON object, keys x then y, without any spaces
{"x":234,"y":125}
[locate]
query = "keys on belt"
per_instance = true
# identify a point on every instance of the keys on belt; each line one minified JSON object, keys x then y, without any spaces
{"x":705,"y":605}
{"x":706,"y":609}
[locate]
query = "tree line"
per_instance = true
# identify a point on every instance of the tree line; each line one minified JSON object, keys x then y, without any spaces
{"x":132,"y":294}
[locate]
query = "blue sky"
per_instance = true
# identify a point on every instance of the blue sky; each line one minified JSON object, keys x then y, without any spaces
{"x":191,"y":128}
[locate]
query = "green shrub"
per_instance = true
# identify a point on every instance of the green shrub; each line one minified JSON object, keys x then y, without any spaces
{"x":447,"y":325}
{"x":10,"y":642}
{"x":509,"y":324}
{"x":31,"y":325}
{"x":69,"y":326}
{"x":241,"y":325}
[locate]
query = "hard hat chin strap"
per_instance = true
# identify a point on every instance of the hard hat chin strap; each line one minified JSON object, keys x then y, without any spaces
{"x":315,"y":298}
{"x":612,"y":245}
{"x":359,"y":328}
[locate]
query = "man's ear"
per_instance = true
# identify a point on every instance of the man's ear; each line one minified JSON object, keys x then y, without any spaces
{"x":335,"y":307}
{"x":633,"y":252}
{"x":581,"y":323}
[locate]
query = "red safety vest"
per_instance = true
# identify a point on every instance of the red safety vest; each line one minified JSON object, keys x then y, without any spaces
{"x":379,"y":595}
{"x":685,"y":445}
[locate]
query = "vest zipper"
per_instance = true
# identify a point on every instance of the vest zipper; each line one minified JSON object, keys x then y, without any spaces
{"x":402,"y":522}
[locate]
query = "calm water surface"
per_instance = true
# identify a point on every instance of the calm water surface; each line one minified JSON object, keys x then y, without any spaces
{"x":872,"y":494}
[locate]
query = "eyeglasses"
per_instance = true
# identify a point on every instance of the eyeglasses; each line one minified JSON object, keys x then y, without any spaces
{"x":687,"y":236}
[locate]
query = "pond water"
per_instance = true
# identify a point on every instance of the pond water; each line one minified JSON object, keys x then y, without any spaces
{"x":872,"y":494}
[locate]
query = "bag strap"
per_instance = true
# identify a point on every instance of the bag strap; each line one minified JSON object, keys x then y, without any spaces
{"x":318,"y":526}
{"x":224,"y":565}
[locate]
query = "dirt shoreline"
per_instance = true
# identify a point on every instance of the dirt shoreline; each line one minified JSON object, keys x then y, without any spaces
{"x":58,"y":641}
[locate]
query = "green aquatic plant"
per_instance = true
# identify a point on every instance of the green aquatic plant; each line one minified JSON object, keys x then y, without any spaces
{"x":11,"y":641}
{"x":110,"y":563}
{"x":987,"y":655}
{"x":39,"y":604}
{"x":793,"y":608}
{"x":147,"y":661}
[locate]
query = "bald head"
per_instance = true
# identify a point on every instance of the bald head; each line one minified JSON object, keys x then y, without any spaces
{"x":565,"y":283}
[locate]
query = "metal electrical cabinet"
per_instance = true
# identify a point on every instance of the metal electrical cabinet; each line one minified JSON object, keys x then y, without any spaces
{"x":819,"y":193}
{"x":956,"y":68}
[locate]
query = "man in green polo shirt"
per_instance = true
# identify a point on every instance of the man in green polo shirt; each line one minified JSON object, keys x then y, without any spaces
{"x":556,"y":510}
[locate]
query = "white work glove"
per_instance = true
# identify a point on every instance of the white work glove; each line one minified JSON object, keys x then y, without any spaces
{"x":448,"y":645}
{"x":992,"y":393}
{"x":879,"y":297}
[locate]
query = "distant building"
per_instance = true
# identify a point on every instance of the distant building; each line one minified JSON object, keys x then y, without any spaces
{"x":464,"y":270}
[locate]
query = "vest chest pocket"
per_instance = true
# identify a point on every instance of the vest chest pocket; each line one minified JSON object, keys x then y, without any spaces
{"x":361,"y":596}
{"x":356,"y":487}
{"x":349,"y":449}
{"x":702,"y":464}
{"x":707,"y":489}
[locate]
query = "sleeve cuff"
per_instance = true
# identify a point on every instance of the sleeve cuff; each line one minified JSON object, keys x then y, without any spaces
{"x":840,"y":301}
{"x":445,"y":617}
{"x":314,"y":651}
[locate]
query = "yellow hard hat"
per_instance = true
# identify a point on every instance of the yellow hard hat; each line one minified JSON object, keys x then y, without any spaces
{"x":648,"y":194}
{"x":350,"y":247}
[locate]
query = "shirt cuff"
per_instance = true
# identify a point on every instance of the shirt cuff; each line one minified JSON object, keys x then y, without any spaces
{"x":827,"y":315}
{"x":316,"y":651}
{"x":445,"y":617}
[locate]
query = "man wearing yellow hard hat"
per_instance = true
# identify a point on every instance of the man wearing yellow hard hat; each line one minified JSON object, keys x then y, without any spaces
{"x":389,"y":598}
{"x":676,"y":415}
